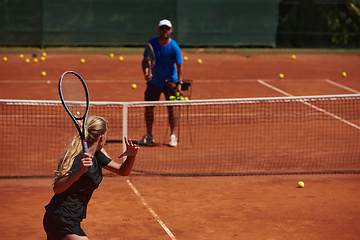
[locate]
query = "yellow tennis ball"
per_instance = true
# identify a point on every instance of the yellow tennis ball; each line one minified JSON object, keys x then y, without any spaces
{"x":293,"y":56}
{"x":111,"y":55}
{"x":344,"y":74}
{"x":5,"y":59}
{"x":199,"y":61}
{"x":281,"y":75}
{"x":186,"y":98}
{"x":27,"y":60}
{"x":134,"y":86}
{"x":43,"y":73}
{"x":185,"y":58}
{"x":44,"y":54}
{"x":301,"y":184}
{"x":42,"y":58}
{"x":35,"y":60}
{"x":21,"y":55}
{"x":177,"y":94}
{"x":82,"y":60}
{"x":121,"y":58}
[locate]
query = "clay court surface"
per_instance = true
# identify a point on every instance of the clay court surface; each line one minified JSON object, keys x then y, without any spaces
{"x":156,"y":207}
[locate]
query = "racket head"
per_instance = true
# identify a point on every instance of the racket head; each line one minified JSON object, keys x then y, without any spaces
{"x":150,"y":54}
{"x":74,"y":96}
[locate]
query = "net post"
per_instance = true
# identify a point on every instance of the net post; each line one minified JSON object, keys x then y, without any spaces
{"x":125,"y":127}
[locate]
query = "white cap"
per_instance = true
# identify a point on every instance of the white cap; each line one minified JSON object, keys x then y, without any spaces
{"x":165,"y":22}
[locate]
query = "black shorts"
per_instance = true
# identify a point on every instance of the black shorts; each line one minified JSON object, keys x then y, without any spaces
{"x":153,"y":93}
{"x":57,"y":226}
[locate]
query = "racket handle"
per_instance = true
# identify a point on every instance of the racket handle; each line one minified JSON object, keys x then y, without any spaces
{"x":85,"y":146}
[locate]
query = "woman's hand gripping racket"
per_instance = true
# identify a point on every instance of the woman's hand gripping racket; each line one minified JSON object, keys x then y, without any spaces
{"x":74,"y":96}
{"x":150,"y":59}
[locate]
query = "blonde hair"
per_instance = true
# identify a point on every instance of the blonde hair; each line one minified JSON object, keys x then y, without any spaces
{"x":95,"y":127}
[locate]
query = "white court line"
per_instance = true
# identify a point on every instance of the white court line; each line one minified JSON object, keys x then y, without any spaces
{"x":55,"y":81}
{"x":140,"y":80}
{"x":275,"y":88}
{"x":162,"y":224}
{"x":23,"y":81}
{"x":255,"y":80}
{"x":129,"y":80}
{"x":310,"y":105}
{"x":342,"y":86}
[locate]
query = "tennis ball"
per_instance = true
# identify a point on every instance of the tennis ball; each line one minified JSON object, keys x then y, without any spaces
{"x":185,"y":58}
{"x":281,"y":75}
{"x":21,"y":55}
{"x":27,"y":60}
{"x":344,"y":74}
{"x":35,"y":60}
{"x":42,"y":58}
{"x":172,"y":98}
{"x":199,"y":61}
{"x":293,"y":56}
{"x":121,"y":58}
{"x":44,"y":54}
{"x":134,"y":86}
{"x":5,"y":59}
{"x":186,"y":98}
{"x":177,"y":94}
{"x":43,"y":73}
{"x":82,"y":60}
{"x":181,"y":98}
{"x":111,"y":55}
{"x":301,"y":184}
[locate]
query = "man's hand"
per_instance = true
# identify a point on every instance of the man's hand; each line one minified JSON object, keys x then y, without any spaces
{"x":148,"y":74}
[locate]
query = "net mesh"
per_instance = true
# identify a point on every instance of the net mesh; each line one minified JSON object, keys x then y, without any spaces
{"x":215,"y":137}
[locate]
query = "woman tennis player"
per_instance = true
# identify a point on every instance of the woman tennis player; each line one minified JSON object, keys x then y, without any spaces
{"x":77,"y":176}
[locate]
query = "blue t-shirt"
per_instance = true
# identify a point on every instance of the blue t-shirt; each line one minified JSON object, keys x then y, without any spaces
{"x":165,"y":59}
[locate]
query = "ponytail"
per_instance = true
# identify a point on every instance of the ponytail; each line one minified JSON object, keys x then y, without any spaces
{"x":95,"y":127}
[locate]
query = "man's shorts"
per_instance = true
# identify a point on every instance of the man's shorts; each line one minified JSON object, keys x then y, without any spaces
{"x":153,"y":93}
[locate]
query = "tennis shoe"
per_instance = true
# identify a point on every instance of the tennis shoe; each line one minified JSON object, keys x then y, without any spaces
{"x":173,"y":141}
{"x":147,"y":139}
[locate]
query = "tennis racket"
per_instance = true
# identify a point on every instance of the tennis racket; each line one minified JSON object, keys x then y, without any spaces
{"x":150,"y":56}
{"x":74,"y":96}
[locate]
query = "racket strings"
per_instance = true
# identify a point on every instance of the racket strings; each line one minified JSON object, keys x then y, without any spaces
{"x":74,"y":95}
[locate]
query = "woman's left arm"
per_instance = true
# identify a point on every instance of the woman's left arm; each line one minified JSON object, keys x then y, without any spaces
{"x":125,"y":168}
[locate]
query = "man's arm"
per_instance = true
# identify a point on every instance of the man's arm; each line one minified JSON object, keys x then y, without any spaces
{"x":180,"y":73}
{"x":146,"y":69}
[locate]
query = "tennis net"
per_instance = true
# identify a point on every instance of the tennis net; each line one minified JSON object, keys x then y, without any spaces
{"x":289,"y":135}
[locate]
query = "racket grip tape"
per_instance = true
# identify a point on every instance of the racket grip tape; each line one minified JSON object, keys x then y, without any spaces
{"x":85,"y":146}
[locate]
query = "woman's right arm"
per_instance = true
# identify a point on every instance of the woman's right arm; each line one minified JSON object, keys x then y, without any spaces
{"x":65,"y":182}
